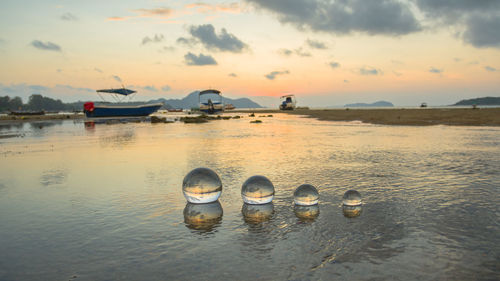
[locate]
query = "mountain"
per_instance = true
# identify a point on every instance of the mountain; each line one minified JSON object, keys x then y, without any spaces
{"x":191,"y":101}
{"x":375,"y":104}
{"x":480,"y":101}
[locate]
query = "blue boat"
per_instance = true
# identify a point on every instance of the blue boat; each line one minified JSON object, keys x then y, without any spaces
{"x":109,"y":110}
{"x":210,"y":106}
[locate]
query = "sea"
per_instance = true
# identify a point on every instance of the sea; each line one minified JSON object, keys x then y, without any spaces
{"x":103,"y":201}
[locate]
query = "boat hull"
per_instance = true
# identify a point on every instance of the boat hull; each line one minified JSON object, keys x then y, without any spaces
{"x":120,"y":111}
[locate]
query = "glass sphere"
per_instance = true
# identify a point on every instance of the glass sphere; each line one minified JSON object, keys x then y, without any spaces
{"x":351,"y":198}
{"x":306,"y":213}
{"x":202,"y":216}
{"x":201,"y":185}
{"x":257,"y":190}
{"x":306,"y":195}
{"x":254,"y":214}
{"x":351,"y":211}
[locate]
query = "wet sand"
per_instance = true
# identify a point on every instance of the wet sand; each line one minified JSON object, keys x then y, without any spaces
{"x":29,"y":118}
{"x":414,"y":116}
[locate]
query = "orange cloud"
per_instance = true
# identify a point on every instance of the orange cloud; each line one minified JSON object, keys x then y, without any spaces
{"x":204,"y":8}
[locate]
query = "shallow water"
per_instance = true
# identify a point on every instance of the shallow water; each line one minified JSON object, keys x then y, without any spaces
{"x":105,"y":202}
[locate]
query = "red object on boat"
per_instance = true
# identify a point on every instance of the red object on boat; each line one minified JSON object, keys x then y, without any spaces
{"x":88,"y":106}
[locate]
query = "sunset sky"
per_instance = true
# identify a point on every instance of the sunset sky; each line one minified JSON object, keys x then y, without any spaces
{"x":325,"y":52}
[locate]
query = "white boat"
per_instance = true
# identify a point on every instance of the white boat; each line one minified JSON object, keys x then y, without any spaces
{"x":211,"y":106}
{"x":287,"y":102}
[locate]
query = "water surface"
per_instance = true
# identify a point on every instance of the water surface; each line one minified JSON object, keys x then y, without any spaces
{"x":104,"y":202}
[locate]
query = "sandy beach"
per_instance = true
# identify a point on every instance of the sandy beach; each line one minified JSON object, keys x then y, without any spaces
{"x":415,"y":116}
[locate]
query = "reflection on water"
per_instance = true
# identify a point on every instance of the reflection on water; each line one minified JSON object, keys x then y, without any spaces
{"x":306,"y":213}
{"x":106,"y":203}
{"x":255,"y":214}
{"x":351,"y":211}
{"x":203,"y":218}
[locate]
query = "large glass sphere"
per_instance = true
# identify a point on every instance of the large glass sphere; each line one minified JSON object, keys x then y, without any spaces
{"x":351,"y":198}
{"x":306,"y":195}
{"x":306,"y":213}
{"x":201,"y":185}
{"x":257,"y":190}
{"x":202,"y":216}
{"x":254,"y":214}
{"x":351,"y":211}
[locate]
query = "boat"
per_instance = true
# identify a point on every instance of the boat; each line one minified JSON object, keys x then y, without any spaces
{"x":24,"y":113}
{"x":287,"y":102}
{"x":174,"y":109}
{"x":211,"y":107}
{"x":424,"y":104}
{"x":229,"y":106}
{"x":116,"y":110}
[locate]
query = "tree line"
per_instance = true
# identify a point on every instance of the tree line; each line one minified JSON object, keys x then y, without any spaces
{"x":37,"y":102}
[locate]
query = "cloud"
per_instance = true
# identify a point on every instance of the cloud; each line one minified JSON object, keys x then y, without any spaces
{"x":223,"y":42}
{"x":299,"y":52}
{"x":116,"y":18}
{"x":117,"y":78}
{"x":156,"y":39}
{"x":166,"y":88}
{"x":97,"y":70}
{"x":150,"y":88}
{"x":369,"y":71}
{"x":161,"y":12}
{"x":49,"y":46}
{"x":483,"y":31}
{"x":186,"y":41}
{"x":397,"y":73}
{"x":490,"y":69}
{"x":68,"y":17}
{"x":285,"y":52}
{"x":201,"y":59}
{"x":316,"y":44}
{"x":387,"y":17}
{"x":435,"y":70}
{"x":232,"y":75}
{"x":346,"y":81}
{"x":58,"y":70}
{"x":167,"y":49}
{"x":334,"y":64}
{"x":38,"y":88}
{"x":272,"y":75}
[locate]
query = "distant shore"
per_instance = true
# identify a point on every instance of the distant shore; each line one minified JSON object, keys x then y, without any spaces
{"x":399,"y":116}
{"x":389,"y":116}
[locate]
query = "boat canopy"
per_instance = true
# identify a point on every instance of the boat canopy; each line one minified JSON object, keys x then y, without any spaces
{"x":210,"y":91}
{"x":286,"y":96}
{"x":121,"y":91}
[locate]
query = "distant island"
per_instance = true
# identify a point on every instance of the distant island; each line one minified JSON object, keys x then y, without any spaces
{"x":480,"y":101}
{"x":375,"y":104}
{"x":37,"y":102}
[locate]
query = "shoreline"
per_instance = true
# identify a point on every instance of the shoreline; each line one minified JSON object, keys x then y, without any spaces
{"x":400,"y":116}
{"x":388,"y":116}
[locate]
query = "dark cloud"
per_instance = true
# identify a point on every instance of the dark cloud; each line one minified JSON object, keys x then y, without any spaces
{"x":155,"y":39}
{"x":117,"y":78}
{"x":201,"y":59}
{"x":334,"y":64}
{"x":299,"y":52}
{"x":483,"y":31}
{"x":388,"y":17}
{"x":68,"y":17}
{"x":223,"y":41}
{"x":97,"y":70}
{"x":316,"y":44}
{"x":369,"y":71}
{"x":346,"y":81}
{"x":166,"y":88}
{"x":490,"y":69}
{"x":150,"y":88}
{"x":285,"y":52}
{"x":49,"y":46}
{"x":186,"y":41}
{"x":435,"y":70}
{"x":167,"y":49}
{"x":232,"y":75}
{"x":272,"y":75}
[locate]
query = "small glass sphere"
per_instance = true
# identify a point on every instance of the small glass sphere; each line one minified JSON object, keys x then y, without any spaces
{"x":201,"y":185}
{"x":306,"y":195}
{"x":351,"y":211}
{"x":351,"y":198}
{"x":254,"y":214}
{"x":306,"y":213}
{"x":202,"y":216}
{"x":257,"y":190}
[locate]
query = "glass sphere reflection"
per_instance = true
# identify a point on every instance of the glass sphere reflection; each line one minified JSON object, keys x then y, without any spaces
{"x":254,"y":214}
{"x":202,"y":216}
{"x":306,"y":195}
{"x":351,"y":211}
{"x":306,"y":213}
{"x":257,"y":190}
{"x":201,"y":185}
{"x":351,"y":198}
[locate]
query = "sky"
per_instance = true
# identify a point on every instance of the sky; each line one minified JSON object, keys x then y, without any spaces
{"x":326,"y":52}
